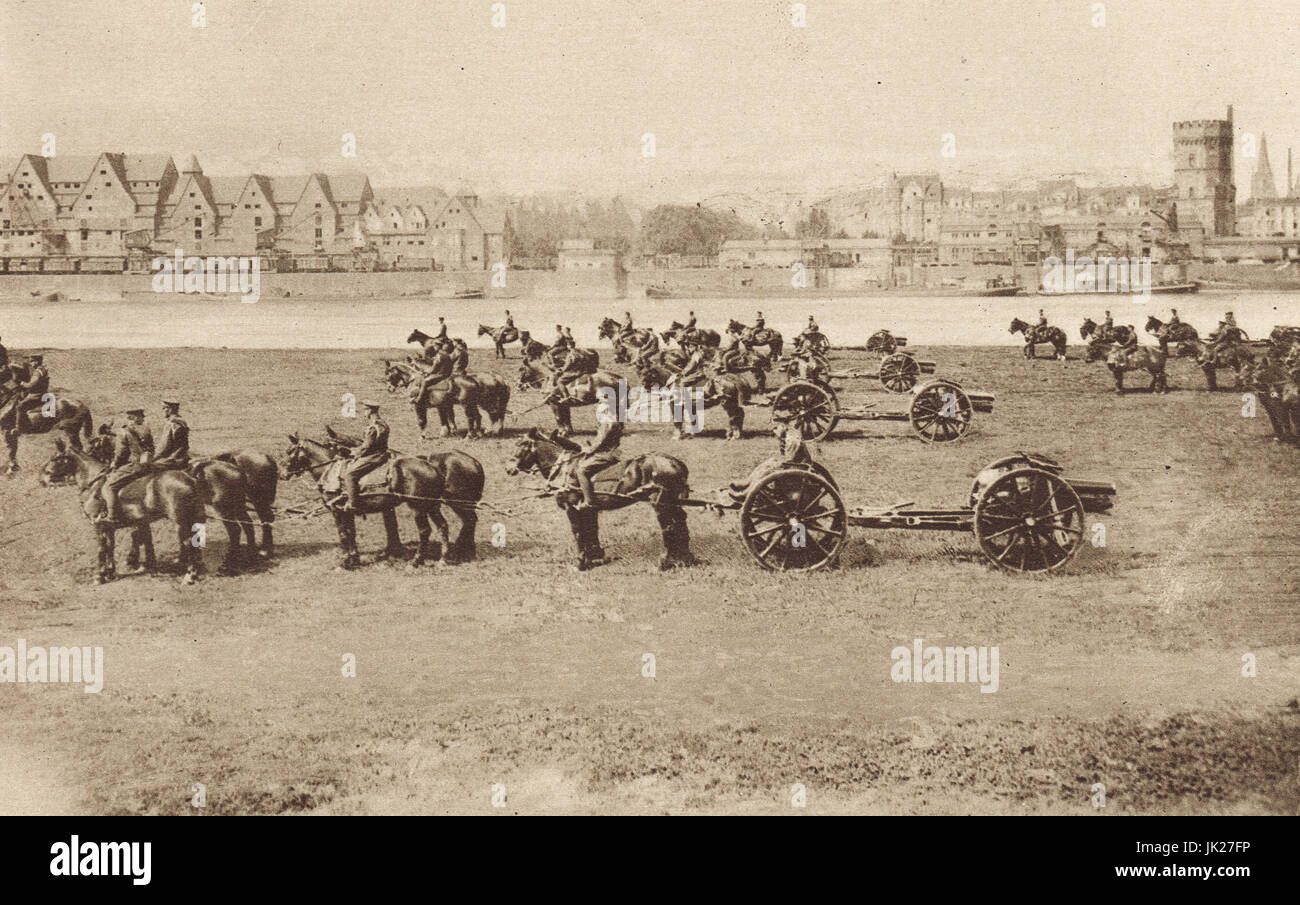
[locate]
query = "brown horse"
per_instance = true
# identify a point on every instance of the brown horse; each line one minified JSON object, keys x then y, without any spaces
{"x":583,"y":391}
{"x":1210,"y":358}
{"x":624,"y":345}
{"x":1275,"y":386}
{"x":501,"y":336}
{"x":1103,"y":339}
{"x":57,"y":412}
{"x":1034,"y":335}
{"x":156,"y":494}
{"x":1138,"y":358}
{"x":1186,"y":339}
{"x":661,"y":481}
{"x":701,"y":337}
{"x":730,"y":391}
{"x":238,"y":471}
{"x":471,"y":392}
{"x":768,"y":337}
{"x":425,"y":484}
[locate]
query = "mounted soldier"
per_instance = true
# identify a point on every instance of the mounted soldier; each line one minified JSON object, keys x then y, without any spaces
{"x":370,"y":454}
{"x":648,"y":350}
{"x":437,"y":367}
{"x":575,"y":364}
{"x":1042,"y":320}
{"x":27,"y":393}
{"x":1107,"y":326}
{"x":510,"y":321}
{"x":133,"y":449}
{"x":759,"y":323}
{"x":625,"y":329}
{"x":174,"y":448}
{"x":583,"y":462}
{"x":689,"y":326}
{"x":459,"y":354}
{"x":442,"y":330}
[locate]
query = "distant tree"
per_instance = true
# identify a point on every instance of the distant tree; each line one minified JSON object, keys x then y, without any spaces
{"x":690,"y":230}
{"x":817,"y":226}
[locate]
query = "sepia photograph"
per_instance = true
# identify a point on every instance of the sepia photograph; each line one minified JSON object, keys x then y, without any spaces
{"x":649,"y":407}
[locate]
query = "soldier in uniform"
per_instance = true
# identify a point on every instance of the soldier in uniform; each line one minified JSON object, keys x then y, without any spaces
{"x":510,"y":321}
{"x":132,"y":452}
{"x":693,"y":370}
{"x":626,"y":328}
{"x":690,"y":322}
{"x":649,"y":349}
{"x":369,"y":455}
{"x":174,"y":448}
{"x":791,"y":449}
{"x":459,"y":354}
{"x":442,"y":330}
{"x":438,"y":369}
{"x":600,"y":453}
{"x":568,"y":338}
{"x":759,"y":323}
{"x":28,"y":391}
{"x":1107,"y":326}
{"x":1042,"y":320}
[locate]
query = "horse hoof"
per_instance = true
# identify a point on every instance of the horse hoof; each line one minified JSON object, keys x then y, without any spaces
{"x":188,"y":579}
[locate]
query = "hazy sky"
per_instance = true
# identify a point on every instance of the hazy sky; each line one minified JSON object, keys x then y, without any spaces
{"x":737,"y":98}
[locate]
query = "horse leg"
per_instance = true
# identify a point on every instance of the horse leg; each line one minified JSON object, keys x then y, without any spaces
{"x":11,"y":445}
{"x":107,"y":537}
{"x":231,"y":561}
{"x":735,"y":419}
{"x":676,"y":537}
{"x":266,"y":515}
{"x":423,"y":528}
{"x":393,"y":548}
{"x":563,"y":420}
{"x":1119,"y":381}
{"x":447,"y":415}
{"x":346,"y":525}
{"x":464,"y":544}
{"x":188,"y":555}
{"x":595,"y":552}
{"x":1211,"y":377}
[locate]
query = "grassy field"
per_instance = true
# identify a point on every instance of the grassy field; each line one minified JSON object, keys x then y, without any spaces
{"x":516,"y":670}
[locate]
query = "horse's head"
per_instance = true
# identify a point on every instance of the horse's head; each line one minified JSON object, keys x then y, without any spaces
{"x":608,"y":327}
{"x":1088,"y":328}
{"x":1153,"y":323}
{"x":484,"y":329}
{"x":62,"y":467}
{"x":1017,"y":326}
{"x":417,"y":336}
{"x":395,"y":376}
{"x":530,"y":375}
{"x":736,"y":327}
{"x":298,"y":458}
{"x":100,"y":446}
{"x":534,"y":454}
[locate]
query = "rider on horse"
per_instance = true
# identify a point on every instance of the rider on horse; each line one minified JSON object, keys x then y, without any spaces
{"x":510,"y":321}
{"x":371,"y":453}
{"x":27,"y":392}
{"x":459,"y":354}
{"x":759,"y":323}
{"x":132,"y":452}
{"x":625,"y":329}
{"x":585,"y":461}
{"x":174,"y":450}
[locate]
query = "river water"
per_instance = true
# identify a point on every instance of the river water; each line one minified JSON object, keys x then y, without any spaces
{"x":148,"y":321}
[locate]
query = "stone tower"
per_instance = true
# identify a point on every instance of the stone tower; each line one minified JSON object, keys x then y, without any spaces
{"x":1263,"y":185}
{"x":1203,"y":174}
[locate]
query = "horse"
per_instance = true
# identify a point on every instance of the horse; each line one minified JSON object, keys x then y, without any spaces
{"x":532,"y":349}
{"x":1222,"y":355}
{"x":500,"y":337}
{"x":425,"y":484}
{"x":1035,"y":334}
{"x":255,"y":475}
{"x":1103,"y":339}
{"x":69,"y":415}
{"x":678,"y":332}
{"x":660,"y":480}
{"x":731,"y":391}
{"x":624,"y":344}
{"x":156,"y":494}
{"x":768,"y":337}
{"x":443,"y":396}
{"x":583,"y":390}
{"x":1275,"y":386}
{"x":1138,"y":358}
{"x":1185,"y":335}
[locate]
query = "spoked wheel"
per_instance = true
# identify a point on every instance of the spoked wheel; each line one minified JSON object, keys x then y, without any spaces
{"x":1029,"y":520}
{"x":941,"y":412}
{"x":882,"y":341}
{"x":899,"y":372}
{"x":810,"y":407}
{"x":793,"y":520}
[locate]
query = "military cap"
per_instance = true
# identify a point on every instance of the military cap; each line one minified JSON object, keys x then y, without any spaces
{"x":39,"y":359}
{"x":372,"y":406}
{"x":139,"y":412}
{"x":170,"y":402}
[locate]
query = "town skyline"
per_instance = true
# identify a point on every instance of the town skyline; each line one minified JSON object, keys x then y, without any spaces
{"x":737,"y":98}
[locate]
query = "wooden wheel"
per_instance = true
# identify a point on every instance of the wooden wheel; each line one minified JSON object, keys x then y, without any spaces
{"x":941,"y":412}
{"x":881,"y":341}
{"x":793,"y":520}
{"x":899,"y":372}
{"x":811,"y":407}
{"x":1029,"y":520}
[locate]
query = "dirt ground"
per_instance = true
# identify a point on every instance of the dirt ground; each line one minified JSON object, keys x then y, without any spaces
{"x":518,"y":678}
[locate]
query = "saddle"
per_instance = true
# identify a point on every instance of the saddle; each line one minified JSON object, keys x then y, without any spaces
{"x":331,"y":480}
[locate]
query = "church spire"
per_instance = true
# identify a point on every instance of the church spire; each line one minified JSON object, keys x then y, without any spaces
{"x":1263,"y":186}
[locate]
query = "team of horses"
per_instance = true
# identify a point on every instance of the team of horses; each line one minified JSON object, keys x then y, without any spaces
{"x":238,"y":488}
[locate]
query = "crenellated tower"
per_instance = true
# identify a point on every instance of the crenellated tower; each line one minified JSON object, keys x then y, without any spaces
{"x":1203,"y":173}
